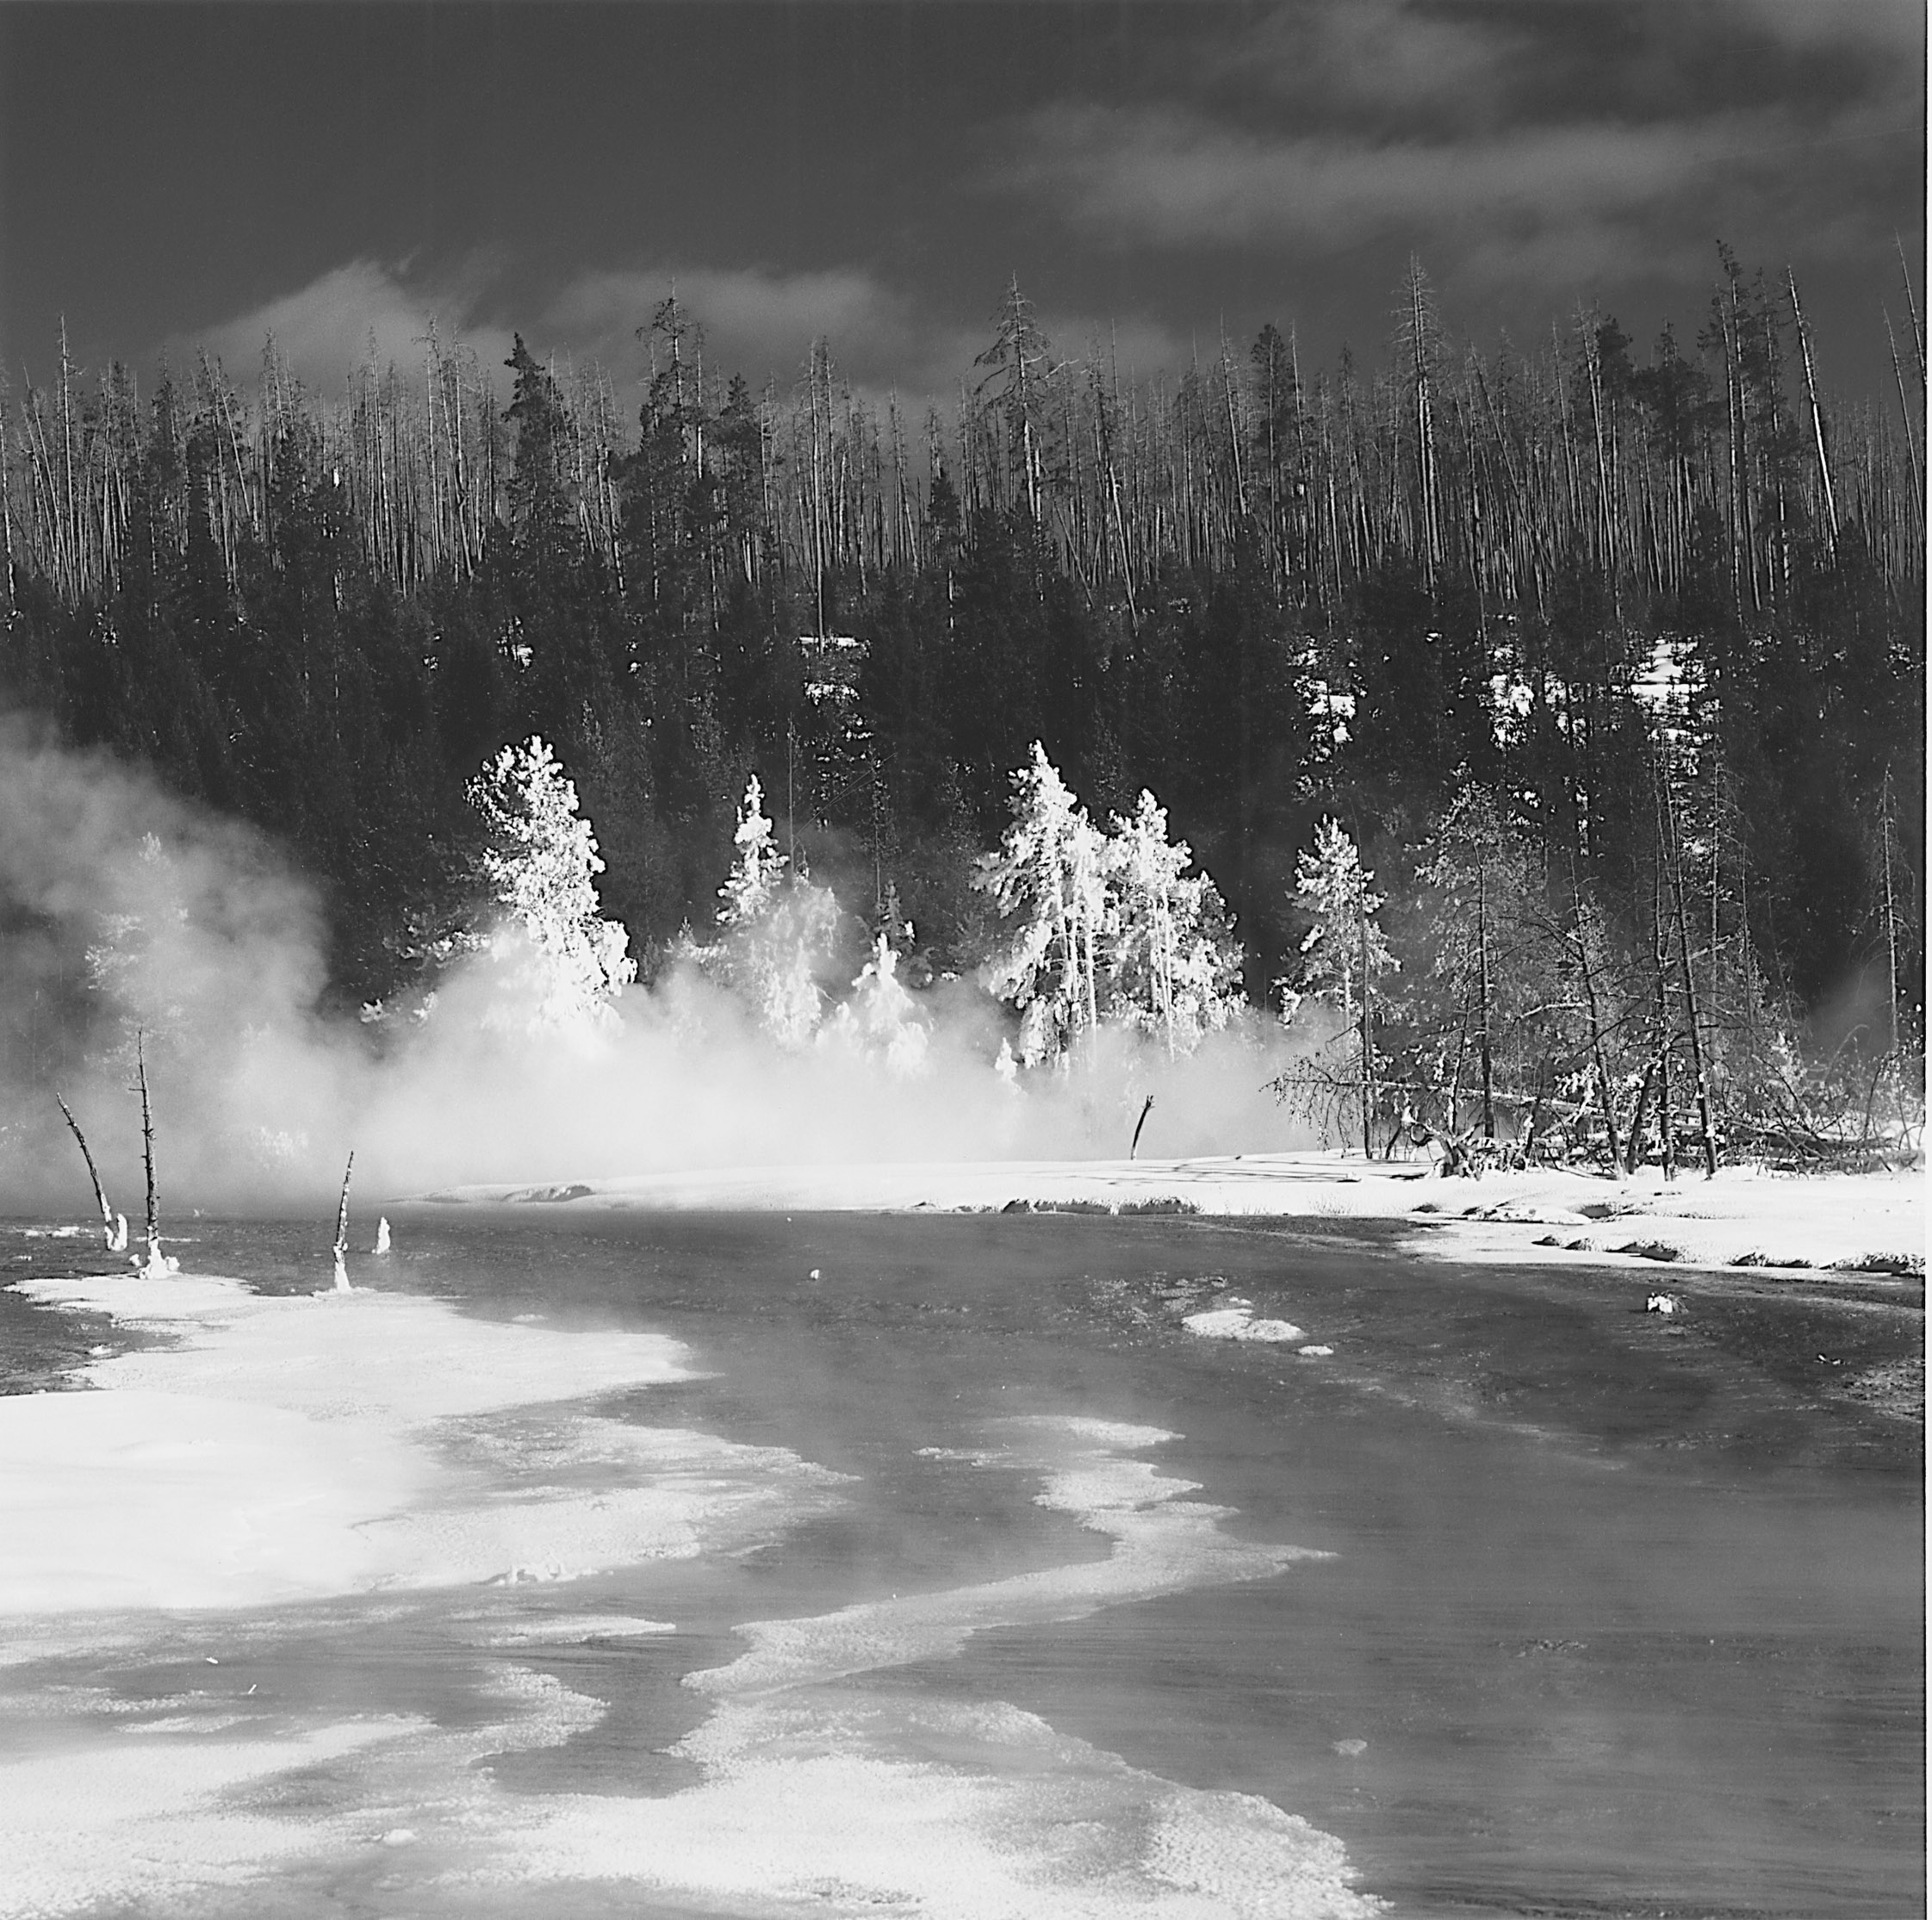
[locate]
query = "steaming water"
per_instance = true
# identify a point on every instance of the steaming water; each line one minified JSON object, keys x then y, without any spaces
{"x":940,"y":1569}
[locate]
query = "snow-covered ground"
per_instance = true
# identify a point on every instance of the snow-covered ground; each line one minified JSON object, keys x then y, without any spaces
{"x":291,"y":1448}
{"x":1745,"y":1216}
{"x":283,"y":1450}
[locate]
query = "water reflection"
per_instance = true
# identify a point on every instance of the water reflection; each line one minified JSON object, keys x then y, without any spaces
{"x":1602,"y":1617}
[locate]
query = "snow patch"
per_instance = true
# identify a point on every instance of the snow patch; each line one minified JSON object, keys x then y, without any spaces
{"x":1239,"y":1323}
{"x":298,"y":1447}
{"x":860,"y":1803}
{"x":573,"y":1630}
{"x":1163,"y":1543}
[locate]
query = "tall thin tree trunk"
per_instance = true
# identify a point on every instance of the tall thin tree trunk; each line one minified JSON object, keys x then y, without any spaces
{"x":1818,"y":419}
{"x":1905,"y":414}
{"x":1368,"y":1041}
{"x":154,"y":1264}
{"x":1482,"y":987}
{"x":1891,"y":919}
{"x":1633,"y":1152}
{"x":93,"y":1173}
{"x":1707,"y":1137}
{"x":1659,"y":956}
{"x":1596,"y":1035}
{"x":342,"y":1227}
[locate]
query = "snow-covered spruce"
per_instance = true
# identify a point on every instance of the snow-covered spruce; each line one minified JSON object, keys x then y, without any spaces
{"x":1105,"y":927}
{"x":1174,"y":966}
{"x":1345,"y":946}
{"x":776,"y":931}
{"x":564,"y":963}
{"x":1049,"y":878}
{"x":880,"y":1020}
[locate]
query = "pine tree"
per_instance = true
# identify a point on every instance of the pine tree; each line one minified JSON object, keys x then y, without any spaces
{"x":1174,"y":968}
{"x":566,"y":963}
{"x":882,"y":1020}
{"x":1050,"y":873}
{"x":543,"y":511}
{"x":776,"y":929}
{"x":1018,"y":365}
{"x":751,"y":889}
{"x":1345,"y":950}
{"x":1333,"y":892}
{"x":1477,"y":878}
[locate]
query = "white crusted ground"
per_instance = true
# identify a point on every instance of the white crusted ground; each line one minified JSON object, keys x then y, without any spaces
{"x":1827,"y":1221}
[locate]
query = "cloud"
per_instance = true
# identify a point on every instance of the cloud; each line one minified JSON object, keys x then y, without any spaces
{"x":1137,"y":344}
{"x":760,"y":322}
{"x":1581,"y":140}
{"x":755,"y":319}
{"x":1382,"y":56}
{"x":324,"y":329}
{"x":1885,"y":27}
{"x":1614,"y":193}
{"x":1423,"y":69}
{"x":1174,"y":178}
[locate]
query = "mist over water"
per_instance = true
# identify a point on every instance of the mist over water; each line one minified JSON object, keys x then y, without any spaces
{"x":126,"y":910}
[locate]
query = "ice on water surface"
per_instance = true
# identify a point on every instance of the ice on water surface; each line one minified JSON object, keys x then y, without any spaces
{"x":380,"y":1455}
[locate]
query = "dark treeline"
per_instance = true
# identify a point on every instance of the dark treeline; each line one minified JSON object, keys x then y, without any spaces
{"x":1269,"y":594}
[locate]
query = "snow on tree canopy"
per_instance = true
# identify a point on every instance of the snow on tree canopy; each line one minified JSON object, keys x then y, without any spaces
{"x":753,"y":884}
{"x":1174,"y":967}
{"x":880,"y":1020}
{"x":1050,"y":873}
{"x":1332,"y":890}
{"x":566,"y":961}
{"x":776,"y":931}
{"x":1109,"y":927}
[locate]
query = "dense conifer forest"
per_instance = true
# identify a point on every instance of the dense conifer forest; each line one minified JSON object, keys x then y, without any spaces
{"x":1622,"y":642}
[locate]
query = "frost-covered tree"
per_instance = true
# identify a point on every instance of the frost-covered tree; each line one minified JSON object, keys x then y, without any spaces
{"x":1345,"y":942}
{"x":777,"y":931}
{"x":1344,"y":951}
{"x":881,"y":1019}
{"x":132,"y":965}
{"x":564,"y":962}
{"x":1049,"y":876}
{"x":1174,"y":967}
{"x":757,"y":872}
{"x":1105,"y":927}
{"x":1488,"y":987}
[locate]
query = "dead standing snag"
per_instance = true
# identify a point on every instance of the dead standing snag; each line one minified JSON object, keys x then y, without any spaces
{"x":93,"y":1174}
{"x":342,"y":1228}
{"x":155,"y":1266}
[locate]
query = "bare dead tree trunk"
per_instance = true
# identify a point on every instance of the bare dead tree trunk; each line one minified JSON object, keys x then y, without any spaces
{"x":93,"y":1173}
{"x":154,"y":1263}
{"x":342,"y":1227}
{"x":1818,"y":419}
{"x":1596,"y":1035}
{"x":1676,"y":871}
{"x":1911,"y":308}
{"x":1891,"y":919}
{"x":1368,"y":1058}
{"x":1660,"y":955}
{"x":1634,"y":1149}
{"x":1482,"y":985}
{"x":1461,"y":1057}
{"x":1905,"y":414}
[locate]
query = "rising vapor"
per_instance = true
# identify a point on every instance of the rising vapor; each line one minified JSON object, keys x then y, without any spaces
{"x":128,"y":914}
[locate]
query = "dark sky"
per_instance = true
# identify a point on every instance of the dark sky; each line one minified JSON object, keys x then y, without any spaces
{"x":176,"y":174}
